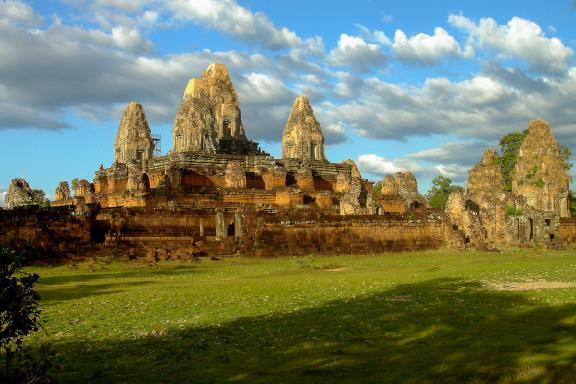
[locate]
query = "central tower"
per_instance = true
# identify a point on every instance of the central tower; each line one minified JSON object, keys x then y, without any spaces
{"x":209,"y":118}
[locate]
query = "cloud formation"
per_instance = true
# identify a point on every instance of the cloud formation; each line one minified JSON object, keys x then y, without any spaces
{"x":355,"y":53}
{"x":2,"y":195}
{"x":380,"y":166}
{"x":231,"y":18}
{"x":425,"y":49}
{"x":92,"y":65}
{"x":519,"y":38}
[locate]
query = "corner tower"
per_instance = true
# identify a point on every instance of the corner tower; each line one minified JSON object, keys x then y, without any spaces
{"x":302,"y":137}
{"x":134,"y":139}
{"x":540,"y":174}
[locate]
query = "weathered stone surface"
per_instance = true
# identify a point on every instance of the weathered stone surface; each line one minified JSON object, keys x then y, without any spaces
{"x":405,"y":185}
{"x":485,"y":180}
{"x":539,"y":174}
{"x":355,"y":198}
{"x":19,"y":194}
{"x":209,"y":118}
{"x":464,"y":227}
{"x":62,"y":191}
{"x":302,"y":137}
{"x":137,"y":179}
{"x":134,"y":139}
{"x":83,"y":188}
{"x":487,"y":215}
{"x":235,"y":175}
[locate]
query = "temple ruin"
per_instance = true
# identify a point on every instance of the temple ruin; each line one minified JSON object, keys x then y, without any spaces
{"x":216,"y":193}
{"x":535,"y":212}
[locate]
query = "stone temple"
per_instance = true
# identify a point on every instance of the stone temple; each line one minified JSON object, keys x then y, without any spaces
{"x":212,"y":163}
{"x":216,"y":193}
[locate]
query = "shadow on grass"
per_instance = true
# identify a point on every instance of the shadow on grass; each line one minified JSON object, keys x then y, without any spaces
{"x":142,"y":271}
{"x":447,"y":331}
{"x":80,"y":291}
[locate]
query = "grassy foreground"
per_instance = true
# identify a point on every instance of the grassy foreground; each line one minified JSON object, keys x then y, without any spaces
{"x":417,"y":317}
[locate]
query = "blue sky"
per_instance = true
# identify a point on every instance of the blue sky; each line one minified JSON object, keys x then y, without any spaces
{"x":424,"y":86}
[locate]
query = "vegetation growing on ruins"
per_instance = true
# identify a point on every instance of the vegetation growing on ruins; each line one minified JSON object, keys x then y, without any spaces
{"x":388,"y":318}
{"x":438,"y":194}
{"x":512,"y":211}
{"x":377,"y":189}
{"x":508,"y":156}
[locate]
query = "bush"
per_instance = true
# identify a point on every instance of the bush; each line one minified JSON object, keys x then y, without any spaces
{"x":19,"y":316}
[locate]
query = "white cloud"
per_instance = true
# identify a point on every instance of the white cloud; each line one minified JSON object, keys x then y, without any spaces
{"x":426,"y":49}
{"x":462,"y":152}
{"x":354,"y":52}
{"x":16,"y":11}
{"x":482,"y":108}
{"x":381,"y":167}
{"x":519,"y":39}
{"x":129,"y":39}
{"x":263,"y":89}
{"x":235,"y":20}
{"x":3,"y":193}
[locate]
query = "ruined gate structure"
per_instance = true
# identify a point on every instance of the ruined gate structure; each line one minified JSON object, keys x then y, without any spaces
{"x":217,"y":193}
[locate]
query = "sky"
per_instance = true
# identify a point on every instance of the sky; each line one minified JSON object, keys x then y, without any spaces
{"x":410,"y":85}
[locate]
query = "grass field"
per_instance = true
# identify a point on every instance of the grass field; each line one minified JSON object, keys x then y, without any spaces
{"x":441,"y":316}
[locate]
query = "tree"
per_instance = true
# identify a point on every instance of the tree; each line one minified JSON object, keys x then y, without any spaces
{"x":19,"y":316}
{"x":438,"y":195}
{"x":572,"y":200}
{"x":39,"y":198}
{"x":508,"y":157}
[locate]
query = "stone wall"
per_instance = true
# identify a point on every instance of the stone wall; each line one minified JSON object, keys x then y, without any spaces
{"x":568,"y":229}
{"x":54,"y":232}
{"x":347,"y":236}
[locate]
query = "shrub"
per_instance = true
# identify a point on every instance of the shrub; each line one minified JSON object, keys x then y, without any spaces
{"x":19,"y":316}
{"x":511,"y":210}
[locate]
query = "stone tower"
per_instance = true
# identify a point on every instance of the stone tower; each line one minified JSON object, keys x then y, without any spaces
{"x":539,"y":174}
{"x":302,"y":138}
{"x":134,"y":139}
{"x":485,"y":180}
{"x":209,"y":114}
{"x":19,"y":194}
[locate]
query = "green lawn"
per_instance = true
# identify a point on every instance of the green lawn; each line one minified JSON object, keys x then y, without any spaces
{"x":422,"y":317}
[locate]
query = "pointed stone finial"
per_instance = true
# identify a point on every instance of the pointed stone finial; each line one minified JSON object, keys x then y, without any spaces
{"x":488,"y":157}
{"x":540,"y":126}
{"x":134,"y":139}
{"x":194,"y":87}
{"x":302,"y":138}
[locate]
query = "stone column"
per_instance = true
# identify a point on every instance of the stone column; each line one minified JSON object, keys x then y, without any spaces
{"x":221,"y":230}
{"x":237,"y":224}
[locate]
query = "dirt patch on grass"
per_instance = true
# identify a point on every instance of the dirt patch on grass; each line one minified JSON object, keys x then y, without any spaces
{"x":531,"y":285}
{"x":401,"y":298}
